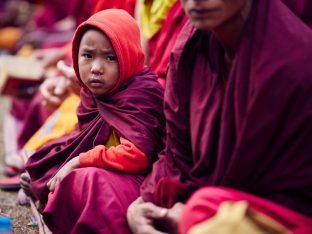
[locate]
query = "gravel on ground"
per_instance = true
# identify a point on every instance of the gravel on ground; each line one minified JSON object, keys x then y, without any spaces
{"x":21,"y":215}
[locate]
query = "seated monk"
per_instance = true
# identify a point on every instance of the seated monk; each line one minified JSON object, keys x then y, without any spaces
{"x":238,"y":117}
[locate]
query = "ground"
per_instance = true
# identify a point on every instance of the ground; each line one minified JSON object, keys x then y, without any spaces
{"x":20,"y":215}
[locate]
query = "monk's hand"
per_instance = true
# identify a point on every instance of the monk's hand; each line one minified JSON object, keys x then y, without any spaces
{"x":170,"y":222}
{"x":68,"y":167}
{"x":141,"y":216}
{"x":69,"y":73}
{"x":53,"y":91}
{"x":49,"y":57}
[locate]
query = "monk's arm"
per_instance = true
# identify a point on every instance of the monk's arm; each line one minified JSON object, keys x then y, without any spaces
{"x":124,"y":157}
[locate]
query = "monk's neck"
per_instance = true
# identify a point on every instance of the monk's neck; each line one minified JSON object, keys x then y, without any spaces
{"x":229,"y":33}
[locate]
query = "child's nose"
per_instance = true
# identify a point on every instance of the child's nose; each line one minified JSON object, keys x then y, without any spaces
{"x":97,"y":67}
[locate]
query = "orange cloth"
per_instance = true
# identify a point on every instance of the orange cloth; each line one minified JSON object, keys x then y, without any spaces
{"x":125,"y":157}
{"x":9,"y":36}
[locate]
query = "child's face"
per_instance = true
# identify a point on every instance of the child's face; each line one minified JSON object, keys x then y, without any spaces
{"x":97,"y":62}
{"x":212,"y":14}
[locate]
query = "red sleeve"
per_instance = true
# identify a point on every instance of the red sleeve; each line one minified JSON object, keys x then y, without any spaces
{"x":124,"y":157}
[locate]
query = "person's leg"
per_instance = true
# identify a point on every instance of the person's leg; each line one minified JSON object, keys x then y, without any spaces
{"x":23,"y":120}
{"x":25,"y":185}
{"x":204,"y":204}
{"x":11,"y":128}
{"x":92,"y":200}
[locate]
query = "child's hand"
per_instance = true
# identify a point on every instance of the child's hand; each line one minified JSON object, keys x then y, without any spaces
{"x":68,"y":167}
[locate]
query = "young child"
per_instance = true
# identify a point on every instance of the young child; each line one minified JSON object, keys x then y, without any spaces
{"x":96,"y":171}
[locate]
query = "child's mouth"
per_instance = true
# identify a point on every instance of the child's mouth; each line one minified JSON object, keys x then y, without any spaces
{"x":95,"y":83}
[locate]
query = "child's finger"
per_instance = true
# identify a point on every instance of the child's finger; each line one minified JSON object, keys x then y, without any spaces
{"x":51,"y":184}
{"x":50,"y":181}
{"x":155,"y":212}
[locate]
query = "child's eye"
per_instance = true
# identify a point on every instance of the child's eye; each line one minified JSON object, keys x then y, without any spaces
{"x":111,"y":58}
{"x":86,"y":55}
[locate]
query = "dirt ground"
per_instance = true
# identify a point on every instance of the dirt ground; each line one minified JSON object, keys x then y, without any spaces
{"x":21,"y":215}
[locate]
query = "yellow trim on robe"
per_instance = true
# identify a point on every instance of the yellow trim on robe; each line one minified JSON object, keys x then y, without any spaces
{"x":113,"y":140}
{"x":61,"y":122}
{"x":153,"y":13}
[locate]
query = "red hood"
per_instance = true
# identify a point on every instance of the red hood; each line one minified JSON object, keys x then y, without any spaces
{"x":124,"y":34}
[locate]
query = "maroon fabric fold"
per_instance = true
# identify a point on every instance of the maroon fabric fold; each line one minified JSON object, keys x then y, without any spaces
{"x":302,"y":8}
{"x":205,"y":203}
{"x":253,"y":135}
{"x":96,"y":189}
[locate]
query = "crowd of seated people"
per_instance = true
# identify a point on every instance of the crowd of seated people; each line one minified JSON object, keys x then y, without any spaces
{"x":176,"y":116}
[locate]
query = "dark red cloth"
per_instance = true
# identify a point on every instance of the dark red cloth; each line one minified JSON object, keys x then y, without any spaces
{"x":302,"y":8}
{"x":252,"y":135}
{"x":206,"y":201}
{"x":162,"y":43}
{"x":107,"y":195}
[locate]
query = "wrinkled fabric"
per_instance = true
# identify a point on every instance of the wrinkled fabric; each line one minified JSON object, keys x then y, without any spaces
{"x":302,"y":8}
{"x":107,"y":195}
{"x":205,"y":203}
{"x":153,"y":13}
{"x":254,"y":133}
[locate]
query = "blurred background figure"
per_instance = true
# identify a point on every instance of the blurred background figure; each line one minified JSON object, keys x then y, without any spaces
{"x":41,"y":30}
{"x":161,"y":22}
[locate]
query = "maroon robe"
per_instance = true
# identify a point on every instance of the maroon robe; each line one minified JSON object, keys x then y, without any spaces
{"x":254,"y":134}
{"x":135,"y":112}
{"x":205,"y":202}
{"x":163,"y":41}
{"x":302,"y":8}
